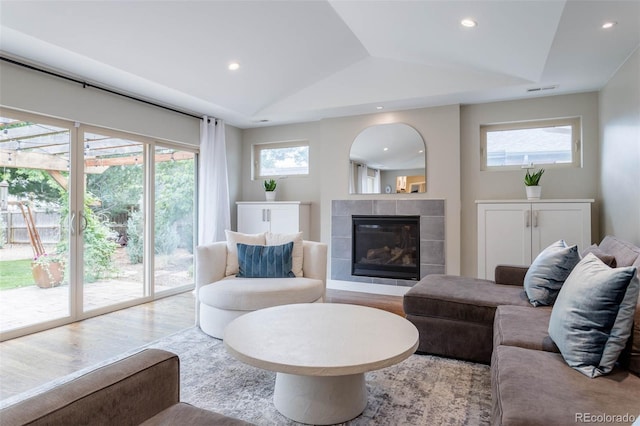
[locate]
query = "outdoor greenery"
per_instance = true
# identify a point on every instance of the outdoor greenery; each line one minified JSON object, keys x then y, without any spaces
{"x":135,"y":242}
{"x":16,"y":273}
{"x":174,"y":212}
{"x":115,"y":193}
{"x":32,"y":184}
{"x":98,"y":249}
{"x":284,"y":160}
{"x":174,"y":206}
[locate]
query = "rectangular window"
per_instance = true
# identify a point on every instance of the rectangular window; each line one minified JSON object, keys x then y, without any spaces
{"x":538,"y":143}
{"x":281,"y":159}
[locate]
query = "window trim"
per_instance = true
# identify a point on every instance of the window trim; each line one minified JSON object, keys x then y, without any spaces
{"x":576,"y":143}
{"x":258,"y":147}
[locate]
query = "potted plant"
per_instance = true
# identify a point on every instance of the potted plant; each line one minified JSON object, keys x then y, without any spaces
{"x":270,"y":189}
{"x":532,"y":184}
{"x":48,"y":270}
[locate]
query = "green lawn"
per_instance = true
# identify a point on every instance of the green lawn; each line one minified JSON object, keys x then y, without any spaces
{"x":15,"y":273}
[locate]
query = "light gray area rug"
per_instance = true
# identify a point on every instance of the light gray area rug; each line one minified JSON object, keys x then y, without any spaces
{"x":422,"y":390}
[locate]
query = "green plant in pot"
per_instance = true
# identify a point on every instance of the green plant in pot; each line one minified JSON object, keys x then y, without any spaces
{"x":532,"y":184}
{"x":270,"y":189}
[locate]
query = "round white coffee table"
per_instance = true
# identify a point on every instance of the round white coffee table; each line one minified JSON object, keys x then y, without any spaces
{"x":320,"y":352}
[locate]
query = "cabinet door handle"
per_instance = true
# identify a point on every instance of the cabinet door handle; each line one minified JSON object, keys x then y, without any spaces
{"x":268,"y":215}
{"x":535,"y":218}
{"x":527,"y":218}
{"x":264,"y":215}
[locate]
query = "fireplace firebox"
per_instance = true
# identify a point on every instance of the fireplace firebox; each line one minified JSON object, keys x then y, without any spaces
{"x":386,"y":247}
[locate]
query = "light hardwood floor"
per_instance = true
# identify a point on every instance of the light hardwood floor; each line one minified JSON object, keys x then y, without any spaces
{"x":33,"y":360}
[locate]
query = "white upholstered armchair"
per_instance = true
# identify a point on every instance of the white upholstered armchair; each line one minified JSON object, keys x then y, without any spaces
{"x":220,"y":297}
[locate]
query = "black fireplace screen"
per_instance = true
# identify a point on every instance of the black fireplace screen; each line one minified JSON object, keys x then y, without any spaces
{"x":386,"y":247}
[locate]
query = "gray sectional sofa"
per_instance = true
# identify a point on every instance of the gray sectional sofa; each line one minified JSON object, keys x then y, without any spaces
{"x":141,"y":389}
{"x":493,"y":322}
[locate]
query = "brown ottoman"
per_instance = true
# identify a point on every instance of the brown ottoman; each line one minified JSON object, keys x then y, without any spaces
{"x":454,"y":315}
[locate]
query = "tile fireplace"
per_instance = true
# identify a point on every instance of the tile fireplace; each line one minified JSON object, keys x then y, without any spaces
{"x":386,"y":246}
{"x":426,"y":232}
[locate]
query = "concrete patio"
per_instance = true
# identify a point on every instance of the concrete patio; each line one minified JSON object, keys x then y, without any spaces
{"x":24,"y":306}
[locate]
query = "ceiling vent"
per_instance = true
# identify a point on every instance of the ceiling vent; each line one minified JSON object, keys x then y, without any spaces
{"x":540,"y":89}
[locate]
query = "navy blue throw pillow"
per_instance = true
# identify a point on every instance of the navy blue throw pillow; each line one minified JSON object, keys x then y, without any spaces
{"x":265,"y":261}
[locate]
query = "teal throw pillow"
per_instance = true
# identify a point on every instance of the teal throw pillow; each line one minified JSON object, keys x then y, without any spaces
{"x":265,"y":261}
{"x":592,"y":317}
{"x":549,"y":270}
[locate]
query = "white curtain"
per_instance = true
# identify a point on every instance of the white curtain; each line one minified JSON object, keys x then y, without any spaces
{"x":353,"y":171}
{"x":214,"y":214}
{"x":363,"y":178}
{"x":376,"y":182}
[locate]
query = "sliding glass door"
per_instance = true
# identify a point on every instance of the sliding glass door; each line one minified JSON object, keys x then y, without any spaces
{"x":111,"y":223}
{"x":91,"y":220}
{"x":174,"y":219}
{"x":34,"y":202}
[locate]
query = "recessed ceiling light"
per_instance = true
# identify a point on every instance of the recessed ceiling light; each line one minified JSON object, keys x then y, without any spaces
{"x":386,"y":149}
{"x":468,"y":22}
{"x":379,"y":107}
{"x":234,"y":66}
{"x":608,"y":24}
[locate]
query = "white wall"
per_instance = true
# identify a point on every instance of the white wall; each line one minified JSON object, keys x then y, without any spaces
{"x":556,"y":183}
{"x":233,"y":142}
{"x":620,"y":152}
{"x":330,"y":142}
{"x":305,"y":188}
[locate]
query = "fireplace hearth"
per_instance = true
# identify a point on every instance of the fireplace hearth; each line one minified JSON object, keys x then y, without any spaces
{"x":386,"y":247}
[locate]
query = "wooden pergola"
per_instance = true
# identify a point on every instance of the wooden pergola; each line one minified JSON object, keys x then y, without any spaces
{"x":46,"y":148}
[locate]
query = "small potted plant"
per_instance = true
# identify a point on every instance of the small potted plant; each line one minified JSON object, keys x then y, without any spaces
{"x":48,"y":270}
{"x":270,"y":189}
{"x":532,"y":184}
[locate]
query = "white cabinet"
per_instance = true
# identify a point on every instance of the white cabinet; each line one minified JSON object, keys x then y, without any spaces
{"x":515,"y":232}
{"x":284,"y":217}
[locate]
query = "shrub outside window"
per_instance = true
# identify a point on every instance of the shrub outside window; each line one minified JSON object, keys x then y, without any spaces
{"x":281,"y":159}
{"x":546,"y":143}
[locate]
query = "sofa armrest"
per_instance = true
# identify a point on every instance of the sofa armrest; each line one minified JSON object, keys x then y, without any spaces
{"x":211,"y":263}
{"x":128,"y":391}
{"x":314,"y":261}
{"x":510,"y":274}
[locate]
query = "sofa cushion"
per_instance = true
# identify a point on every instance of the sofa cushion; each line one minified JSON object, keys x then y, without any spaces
{"x":537,"y":388}
{"x":524,"y":327}
{"x":265,"y":261}
{"x":548,"y":272}
{"x":273,"y":239}
{"x":186,"y":414}
{"x":607,"y":259}
{"x":461,"y":298}
{"x":592,"y":318}
{"x":249,"y":294}
{"x":233,"y":238}
{"x":625,"y":253}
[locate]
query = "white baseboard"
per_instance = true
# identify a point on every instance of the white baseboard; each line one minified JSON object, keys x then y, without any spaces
{"x":389,"y":290}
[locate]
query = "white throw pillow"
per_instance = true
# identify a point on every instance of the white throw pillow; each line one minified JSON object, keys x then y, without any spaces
{"x":233,"y":238}
{"x":298,"y":251}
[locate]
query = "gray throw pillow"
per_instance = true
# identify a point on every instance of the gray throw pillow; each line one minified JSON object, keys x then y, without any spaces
{"x":592,"y":318}
{"x":548,"y":272}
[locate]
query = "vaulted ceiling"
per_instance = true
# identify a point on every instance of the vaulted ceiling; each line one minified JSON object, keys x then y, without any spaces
{"x":309,"y":60}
